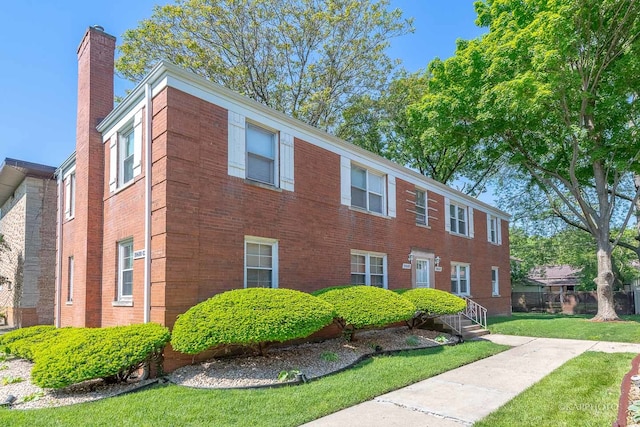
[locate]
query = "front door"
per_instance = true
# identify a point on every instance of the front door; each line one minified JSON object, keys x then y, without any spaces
{"x":423,"y":273}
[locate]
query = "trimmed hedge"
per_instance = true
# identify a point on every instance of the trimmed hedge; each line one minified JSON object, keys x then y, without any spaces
{"x":365,"y":306}
{"x":29,"y":346}
{"x":433,"y":301}
{"x":250,"y":316}
{"x":88,"y":353}
{"x":7,"y":340}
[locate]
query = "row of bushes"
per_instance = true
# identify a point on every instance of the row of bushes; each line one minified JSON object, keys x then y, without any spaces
{"x":65,"y":356}
{"x":258,"y":316}
{"x":249,"y":317}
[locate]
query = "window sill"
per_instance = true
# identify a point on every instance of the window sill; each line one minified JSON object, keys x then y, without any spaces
{"x":263,"y":185}
{"x":466,"y":236}
{"x":124,"y":186}
{"x":495,"y":295}
{"x":427,"y":226}
{"x":122,"y":303}
{"x":357,"y":209}
{"x":495,"y":243}
{"x":69,"y":303}
{"x":69,"y":218}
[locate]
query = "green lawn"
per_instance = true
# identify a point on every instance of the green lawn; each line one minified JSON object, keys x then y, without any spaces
{"x":288,"y":406}
{"x":582,"y":392}
{"x":562,"y":326}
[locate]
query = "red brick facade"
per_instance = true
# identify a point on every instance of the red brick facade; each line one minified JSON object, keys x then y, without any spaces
{"x":201,"y":214}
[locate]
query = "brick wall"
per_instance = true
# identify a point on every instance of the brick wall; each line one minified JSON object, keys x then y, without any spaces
{"x":206,"y":215}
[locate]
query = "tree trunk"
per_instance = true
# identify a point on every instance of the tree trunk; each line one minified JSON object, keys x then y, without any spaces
{"x":604,"y":282}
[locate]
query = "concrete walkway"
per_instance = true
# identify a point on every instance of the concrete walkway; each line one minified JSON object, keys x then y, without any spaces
{"x":462,"y":396}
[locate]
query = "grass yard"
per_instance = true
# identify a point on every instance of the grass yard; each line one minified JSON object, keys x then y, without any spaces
{"x":172,"y":405}
{"x":562,"y":326}
{"x":582,"y":392}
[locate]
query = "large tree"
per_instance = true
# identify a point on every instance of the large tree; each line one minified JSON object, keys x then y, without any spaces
{"x":306,"y":58}
{"x":559,"y":84}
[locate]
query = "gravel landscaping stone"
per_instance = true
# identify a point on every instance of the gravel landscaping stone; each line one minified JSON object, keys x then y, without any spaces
{"x":312,"y":359}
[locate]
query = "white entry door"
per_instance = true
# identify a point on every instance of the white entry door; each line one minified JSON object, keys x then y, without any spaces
{"x":423,"y":273}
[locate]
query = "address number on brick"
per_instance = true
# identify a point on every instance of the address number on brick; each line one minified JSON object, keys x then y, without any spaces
{"x":139,"y":254}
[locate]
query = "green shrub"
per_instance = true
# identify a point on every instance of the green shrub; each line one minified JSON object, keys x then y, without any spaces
{"x":365,"y":306}
{"x":250,"y":316}
{"x":29,"y":346}
{"x":23,"y":333}
{"x":88,"y":353}
{"x":433,"y":301}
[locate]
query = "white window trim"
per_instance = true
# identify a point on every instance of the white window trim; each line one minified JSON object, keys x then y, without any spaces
{"x":426,"y":207}
{"x":70,"y":195}
{"x":492,"y":219}
{"x":468,"y":267}
{"x":274,"y":257}
{"x":468,"y":212}
{"x":367,"y":273}
{"x":121,"y":245}
{"x":122,"y":138}
{"x":70,"y":277}
{"x":495,"y":285}
{"x":385,"y":184}
{"x":132,"y":126}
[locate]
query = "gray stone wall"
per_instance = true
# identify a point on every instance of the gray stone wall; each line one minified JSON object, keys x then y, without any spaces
{"x":28,"y":224}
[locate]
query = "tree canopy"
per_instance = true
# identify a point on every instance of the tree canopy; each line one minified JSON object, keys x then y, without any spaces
{"x":306,"y":58}
{"x":555,"y":90}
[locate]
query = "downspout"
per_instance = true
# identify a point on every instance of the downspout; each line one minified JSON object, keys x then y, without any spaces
{"x":147,"y":204}
{"x":59,"y":254}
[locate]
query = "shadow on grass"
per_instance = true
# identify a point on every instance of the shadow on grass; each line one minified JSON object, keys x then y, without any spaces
{"x":549,"y":316}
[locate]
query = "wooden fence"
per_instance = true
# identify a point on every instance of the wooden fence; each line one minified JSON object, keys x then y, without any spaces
{"x":569,"y":302}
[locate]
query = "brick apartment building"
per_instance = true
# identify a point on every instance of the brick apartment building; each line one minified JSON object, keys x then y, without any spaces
{"x":28,"y":225}
{"x":187,"y":189}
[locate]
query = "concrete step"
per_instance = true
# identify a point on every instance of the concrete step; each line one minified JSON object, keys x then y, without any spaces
{"x":468,"y":335}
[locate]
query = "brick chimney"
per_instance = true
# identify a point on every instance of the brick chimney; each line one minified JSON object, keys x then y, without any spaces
{"x":95,"y":101}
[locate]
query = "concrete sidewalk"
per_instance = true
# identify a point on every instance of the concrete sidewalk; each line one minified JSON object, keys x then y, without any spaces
{"x":462,"y":396}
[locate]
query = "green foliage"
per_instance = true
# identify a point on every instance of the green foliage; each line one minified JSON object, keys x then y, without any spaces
{"x":572,"y":247}
{"x":365,"y":306}
{"x":88,"y":353}
{"x":306,"y":58}
{"x":441,"y":339}
{"x":329,"y":356}
{"x":11,"y":380}
{"x":288,"y":375}
{"x":412,"y":341}
{"x":433,"y":301}
{"x":20,"y":342}
{"x":250,"y":316}
{"x":33,"y":396}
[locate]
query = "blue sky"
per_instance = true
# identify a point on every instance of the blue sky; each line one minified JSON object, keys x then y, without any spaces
{"x":38,"y":68}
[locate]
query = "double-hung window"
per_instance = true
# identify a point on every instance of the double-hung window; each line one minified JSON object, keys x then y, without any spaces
{"x":70,"y":266}
{"x":367,"y":190}
{"x":460,"y":278}
{"x":368,"y":269}
{"x":493,"y":230}
{"x":126,"y":147}
{"x":261,"y":155}
{"x":458,"y":219}
{"x":261,"y":263}
{"x":421,"y":207}
{"x":495,"y":285}
{"x":70,"y":196}
{"x":125,"y":270}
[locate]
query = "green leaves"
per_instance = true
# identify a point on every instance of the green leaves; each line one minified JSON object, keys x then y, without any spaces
{"x":306,"y":58}
{"x":364,"y":306}
{"x":250,"y":316}
{"x":434,"y":301}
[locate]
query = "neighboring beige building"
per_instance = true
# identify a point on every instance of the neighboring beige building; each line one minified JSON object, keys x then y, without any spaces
{"x":28,"y":195}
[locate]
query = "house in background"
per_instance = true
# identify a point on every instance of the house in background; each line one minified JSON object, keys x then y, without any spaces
{"x":187,"y":189}
{"x":558,"y":279}
{"x":28,"y":224}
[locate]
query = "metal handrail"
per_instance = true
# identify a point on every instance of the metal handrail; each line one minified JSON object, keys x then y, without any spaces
{"x":475,"y":312}
{"x":454,"y":321}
